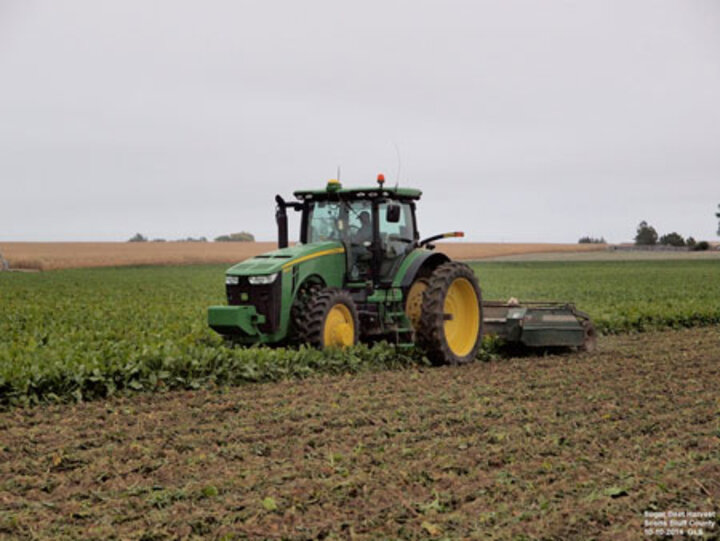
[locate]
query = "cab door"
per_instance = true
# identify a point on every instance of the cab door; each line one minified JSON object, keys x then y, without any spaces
{"x":359,"y":240}
{"x":397,"y":237}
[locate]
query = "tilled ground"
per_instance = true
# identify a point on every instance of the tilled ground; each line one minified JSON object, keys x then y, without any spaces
{"x":570,"y":446}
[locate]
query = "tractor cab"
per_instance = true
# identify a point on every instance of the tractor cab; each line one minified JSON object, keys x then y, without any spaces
{"x":376,"y":226}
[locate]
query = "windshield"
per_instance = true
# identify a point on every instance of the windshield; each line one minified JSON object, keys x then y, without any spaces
{"x":340,"y":221}
{"x":323,"y":222}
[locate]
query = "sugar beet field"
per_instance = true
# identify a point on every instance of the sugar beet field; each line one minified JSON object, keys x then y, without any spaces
{"x":125,"y":417}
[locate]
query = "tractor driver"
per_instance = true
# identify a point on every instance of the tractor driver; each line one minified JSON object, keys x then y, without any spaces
{"x":360,"y":240}
{"x":364,"y":234}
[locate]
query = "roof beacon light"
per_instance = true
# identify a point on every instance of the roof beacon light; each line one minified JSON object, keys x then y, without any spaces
{"x":381,"y":179}
{"x":333,"y":185}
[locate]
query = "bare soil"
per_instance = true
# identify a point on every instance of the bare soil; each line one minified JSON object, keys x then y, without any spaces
{"x":63,"y":255}
{"x":562,"y":446}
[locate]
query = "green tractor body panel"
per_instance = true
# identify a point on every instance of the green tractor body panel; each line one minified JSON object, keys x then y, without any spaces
{"x":406,"y":269}
{"x":258,"y":312}
{"x":412,"y":264}
{"x":285,"y":259}
{"x":243,"y":319}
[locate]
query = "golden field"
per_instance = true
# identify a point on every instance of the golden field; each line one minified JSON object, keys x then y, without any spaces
{"x":65,"y":255}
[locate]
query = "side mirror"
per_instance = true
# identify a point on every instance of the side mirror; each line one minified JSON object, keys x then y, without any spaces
{"x":392,"y":214}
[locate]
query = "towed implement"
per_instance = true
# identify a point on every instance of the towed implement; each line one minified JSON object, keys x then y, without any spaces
{"x":362,"y":273}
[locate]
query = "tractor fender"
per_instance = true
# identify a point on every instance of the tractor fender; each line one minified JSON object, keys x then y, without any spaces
{"x":307,"y":281}
{"x":419,"y":263}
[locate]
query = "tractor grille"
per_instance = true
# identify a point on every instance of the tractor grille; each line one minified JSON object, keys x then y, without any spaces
{"x":265,"y":298}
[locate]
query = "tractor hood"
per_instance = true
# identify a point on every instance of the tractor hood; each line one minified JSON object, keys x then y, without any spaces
{"x":277,"y":260}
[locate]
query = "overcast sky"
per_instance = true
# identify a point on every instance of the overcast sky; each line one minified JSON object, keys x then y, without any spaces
{"x":520,"y":120}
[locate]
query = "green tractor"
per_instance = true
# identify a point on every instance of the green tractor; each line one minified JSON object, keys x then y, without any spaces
{"x":361,"y":273}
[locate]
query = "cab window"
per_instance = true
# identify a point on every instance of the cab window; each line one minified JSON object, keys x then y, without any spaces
{"x":360,"y":222}
{"x":396,"y":239}
{"x":324,"y":222}
{"x":402,"y":231}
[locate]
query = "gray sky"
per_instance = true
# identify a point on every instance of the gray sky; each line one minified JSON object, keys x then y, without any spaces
{"x":520,"y":120}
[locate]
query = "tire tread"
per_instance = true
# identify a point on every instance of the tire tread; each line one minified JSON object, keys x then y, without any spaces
{"x":430,"y":335}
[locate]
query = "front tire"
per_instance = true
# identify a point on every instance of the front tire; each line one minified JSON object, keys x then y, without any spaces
{"x":330,"y":320}
{"x":450,"y":326}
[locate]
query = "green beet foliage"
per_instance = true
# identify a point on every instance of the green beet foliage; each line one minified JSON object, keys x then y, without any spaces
{"x":625,"y":296}
{"x":90,"y":333}
{"x":82,"y":334}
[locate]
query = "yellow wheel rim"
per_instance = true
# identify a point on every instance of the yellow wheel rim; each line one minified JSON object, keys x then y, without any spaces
{"x":463,"y":317}
{"x":413,"y":304}
{"x":339,"y":327}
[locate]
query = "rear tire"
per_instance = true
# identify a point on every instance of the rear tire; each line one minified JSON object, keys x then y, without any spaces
{"x":330,"y":320}
{"x":450,"y":326}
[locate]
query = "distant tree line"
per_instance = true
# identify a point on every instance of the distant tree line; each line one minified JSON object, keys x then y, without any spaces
{"x":592,"y":240}
{"x":243,"y":236}
{"x":646,"y":235}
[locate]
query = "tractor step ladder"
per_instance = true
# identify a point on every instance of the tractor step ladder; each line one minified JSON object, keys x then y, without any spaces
{"x":404,"y":335}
